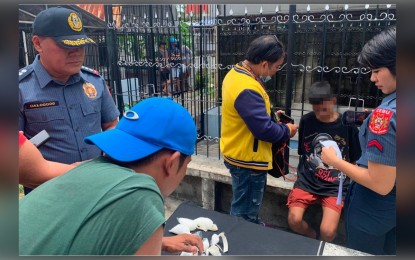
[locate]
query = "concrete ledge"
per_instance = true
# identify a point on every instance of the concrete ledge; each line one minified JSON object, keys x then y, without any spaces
{"x":208,"y":183}
{"x":215,"y":170}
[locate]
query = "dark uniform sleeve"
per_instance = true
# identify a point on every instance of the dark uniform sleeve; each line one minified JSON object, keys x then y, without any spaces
{"x":109,"y":111}
{"x":22,"y":120}
{"x":381,"y":141}
{"x":354,"y":146}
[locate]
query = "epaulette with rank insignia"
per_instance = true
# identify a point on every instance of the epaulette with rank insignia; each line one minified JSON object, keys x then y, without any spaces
{"x":23,"y":72}
{"x":89,"y":70}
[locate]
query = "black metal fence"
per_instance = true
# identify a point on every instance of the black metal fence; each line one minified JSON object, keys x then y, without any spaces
{"x":319,"y":46}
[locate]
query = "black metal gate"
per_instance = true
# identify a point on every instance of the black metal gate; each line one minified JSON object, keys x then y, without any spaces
{"x":320,"y":45}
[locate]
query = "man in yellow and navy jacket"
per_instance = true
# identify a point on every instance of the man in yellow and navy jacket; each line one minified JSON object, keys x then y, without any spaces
{"x":247,"y":131}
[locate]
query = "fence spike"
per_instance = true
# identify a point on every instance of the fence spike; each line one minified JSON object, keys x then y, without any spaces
{"x":308,"y":8}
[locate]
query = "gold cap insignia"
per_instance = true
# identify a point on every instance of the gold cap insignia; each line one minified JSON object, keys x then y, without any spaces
{"x":75,"y":22}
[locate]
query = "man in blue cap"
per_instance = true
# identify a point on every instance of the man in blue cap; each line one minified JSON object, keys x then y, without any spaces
{"x":113,"y":205}
{"x":58,"y":94}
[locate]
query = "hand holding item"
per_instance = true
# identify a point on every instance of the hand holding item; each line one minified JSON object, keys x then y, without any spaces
{"x":184,"y":242}
{"x":329,"y":155}
{"x":293,"y":129}
{"x":331,"y":143}
{"x":279,"y":112}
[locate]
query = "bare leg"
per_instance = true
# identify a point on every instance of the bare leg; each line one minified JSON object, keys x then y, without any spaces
{"x":297,"y":223}
{"x":164,"y":85}
{"x":329,"y":224}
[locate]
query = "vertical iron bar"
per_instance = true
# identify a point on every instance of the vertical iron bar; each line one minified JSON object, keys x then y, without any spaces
{"x":342,"y":59}
{"x":150,"y":49}
{"x":359,"y":77}
{"x":289,"y":70}
{"x":305,"y":64}
{"x":115,"y":81}
{"x":323,"y":49}
{"x":201,"y":87}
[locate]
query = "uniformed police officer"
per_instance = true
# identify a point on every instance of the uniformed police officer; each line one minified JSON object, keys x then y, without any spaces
{"x":370,"y":204}
{"x":58,"y":94}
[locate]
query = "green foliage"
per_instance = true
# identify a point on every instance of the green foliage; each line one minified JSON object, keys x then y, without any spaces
{"x":132,"y":44}
{"x":205,"y":82}
{"x":185,"y":33}
{"x":202,"y":81}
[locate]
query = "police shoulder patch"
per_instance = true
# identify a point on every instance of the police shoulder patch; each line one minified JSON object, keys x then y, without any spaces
{"x":24,"y":72}
{"x":379,"y":121}
{"x":89,"y":70}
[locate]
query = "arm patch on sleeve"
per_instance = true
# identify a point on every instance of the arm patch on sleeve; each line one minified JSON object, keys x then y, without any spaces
{"x":376,"y":144}
{"x":380,"y":120}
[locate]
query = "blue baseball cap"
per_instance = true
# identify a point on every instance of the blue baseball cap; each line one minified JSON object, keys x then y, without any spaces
{"x":172,"y":40}
{"x":149,"y":126}
{"x":63,"y":25}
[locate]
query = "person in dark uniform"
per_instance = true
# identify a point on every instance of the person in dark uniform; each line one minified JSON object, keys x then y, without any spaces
{"x":370,"y":204}
{"x":58,"y":94}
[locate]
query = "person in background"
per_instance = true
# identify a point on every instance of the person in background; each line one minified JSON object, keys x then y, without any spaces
{"x":187,"y":56}
{"x":247,"y":131}
{"x":175,"y":64}
{"x":315,"y":183}
{"x":113,"y":205}
{"x":163,"y":57}
{"x":58,"y":94}
{"x":370,"y":204}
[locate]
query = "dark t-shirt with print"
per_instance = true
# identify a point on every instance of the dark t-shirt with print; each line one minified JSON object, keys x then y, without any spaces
{"x":313,"y":175}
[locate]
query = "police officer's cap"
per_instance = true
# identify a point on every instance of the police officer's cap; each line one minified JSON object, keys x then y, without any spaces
{"x":63,"y":25}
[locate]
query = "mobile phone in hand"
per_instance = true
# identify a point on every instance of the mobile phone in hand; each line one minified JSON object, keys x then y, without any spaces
{"x":40,"y":138}
{"x":283,"y":118}
{"x":354,"y":118}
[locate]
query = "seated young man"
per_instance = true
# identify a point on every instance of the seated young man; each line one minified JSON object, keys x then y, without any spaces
{"x":316,"y":183}
{"x":114,"y":204}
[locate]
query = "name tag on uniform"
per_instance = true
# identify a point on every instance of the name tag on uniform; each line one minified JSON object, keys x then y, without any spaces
{"x":33,"y":105}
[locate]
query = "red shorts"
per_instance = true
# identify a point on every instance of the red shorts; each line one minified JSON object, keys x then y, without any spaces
{"x":303,"y":199}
